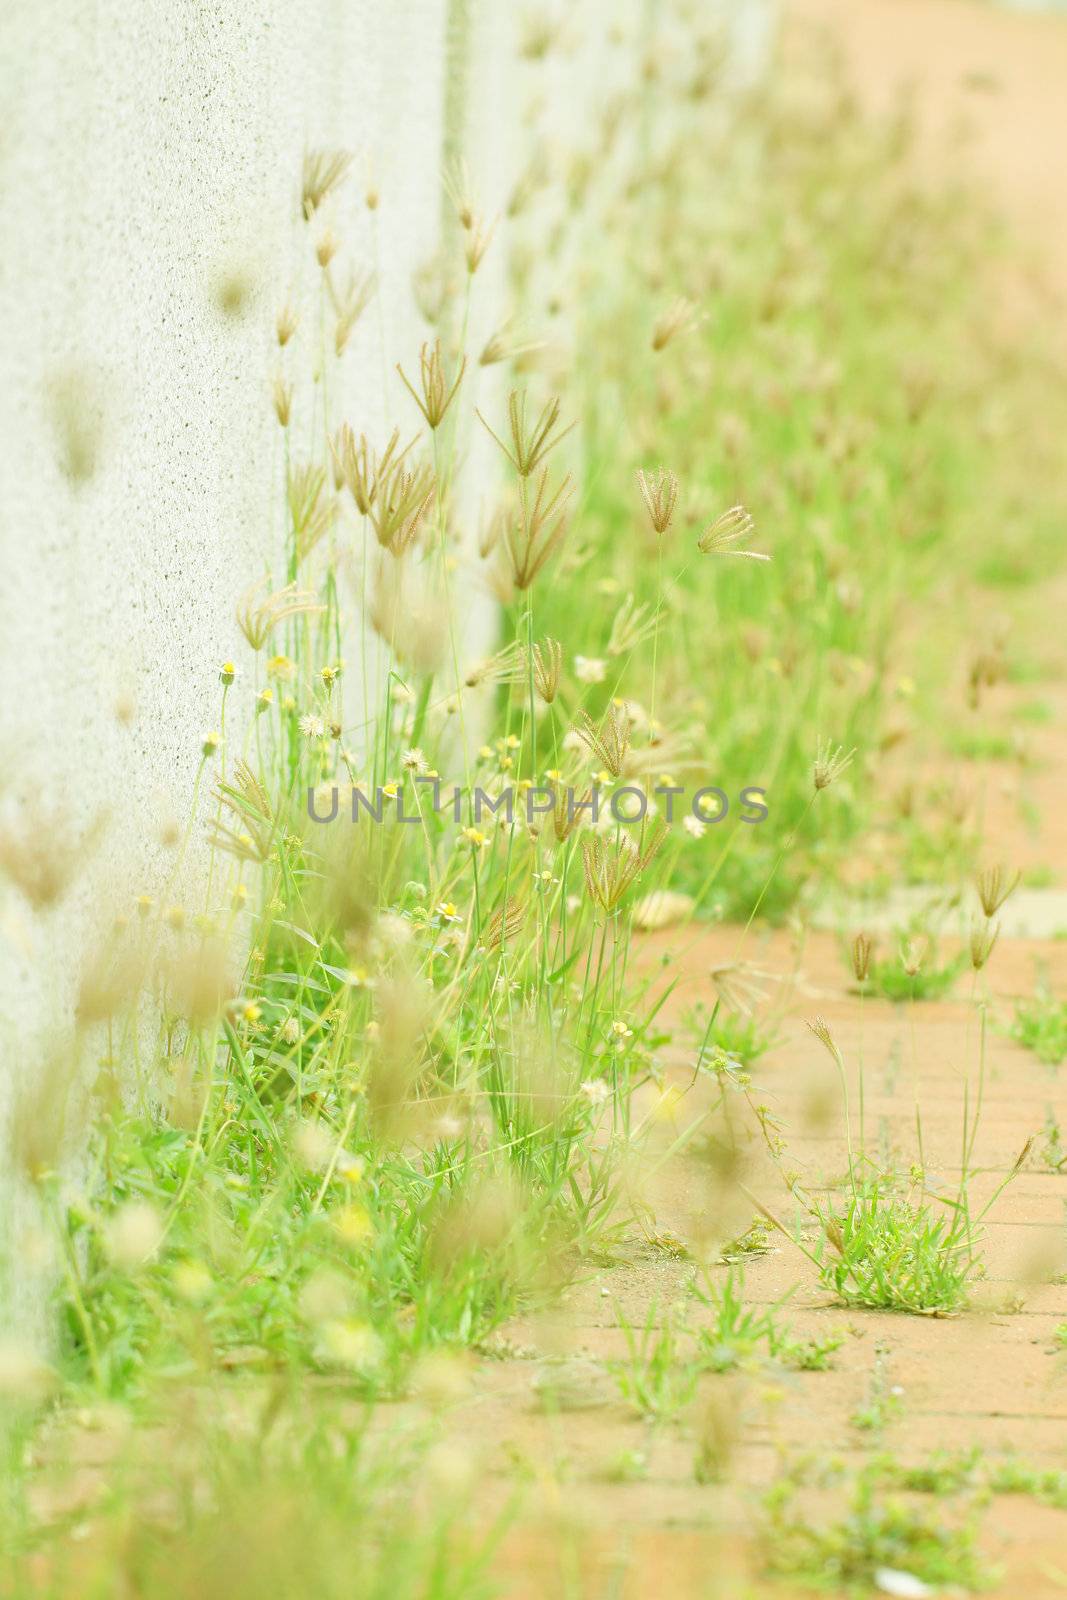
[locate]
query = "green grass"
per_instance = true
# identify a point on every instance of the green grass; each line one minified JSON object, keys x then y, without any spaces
{"x":358,"y":1095}
{"x":881,"y":1530}
{"x":1040,"y":1025}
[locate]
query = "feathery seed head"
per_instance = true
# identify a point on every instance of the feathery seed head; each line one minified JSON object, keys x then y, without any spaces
{"x":324,"y":171}
{"x":994,"y":885}
{"x":659,"y":491}
{"x":436,"y":396}
{"x":830,"y":762}
{"x":547,"y":667}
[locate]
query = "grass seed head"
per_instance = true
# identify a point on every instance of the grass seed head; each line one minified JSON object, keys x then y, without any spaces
{"x":679,"y":318}
{"x":862,"y":950}
{"x":659,"y":491}
{"x":983,"y":938}
{"x":830,"y":762}
{"x":547,"y":668}
{"x":436,"y":396}
{"x":324,"y":171}
{"x":530,"y":443}
{"x":994,"y":885}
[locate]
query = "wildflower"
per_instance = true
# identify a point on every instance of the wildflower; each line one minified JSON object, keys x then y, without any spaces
{"x":258,"y":617}
{"x":285,"y":325}
{"x":134,"y":1233}
{"x":414,"y":760}
{"x":659,"y":491}
{"x":547,"y":667}
{"x":280,"y":667}
{"x":324,"y":171}
{"x":724,"y":533}
{"x":595,"y":1091}
{"x":251,"y":1013}
{"x":312,"y":726}
{"x":620,"y":1031}
{"x":227,"y":673}
{"x":353,"y":1224}
{"x":192,"y":1281}
{"x":351,"y":1344}
{"x":679,"y":318}
{"x":290,"y":1030}
{"x":447,"y":911}
{"x":174,"y":917}
{"x":436,"y":396}
{"x":590,"y":669}
{"x":830,"y":763}
{"x":529,"y":446}
{"x":328,"y":676}
{"x":264,"y":700}
{"x":144,"y":904}
{"x":694,"y":827}
{"x":994,"y":887}
{"x":474,"y":837}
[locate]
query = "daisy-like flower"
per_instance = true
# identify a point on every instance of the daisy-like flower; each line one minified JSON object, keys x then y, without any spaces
{"x":447,"y":912}
{"x":227,"y":673}
{"x":312,"y":727}
{"x":414,"y":760}
{"x":474,"y":837}
{"x":280,"y":667}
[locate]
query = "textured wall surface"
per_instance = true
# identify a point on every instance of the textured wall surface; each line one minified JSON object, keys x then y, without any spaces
{"x":149,"y":190}
{"x":149,"y":184}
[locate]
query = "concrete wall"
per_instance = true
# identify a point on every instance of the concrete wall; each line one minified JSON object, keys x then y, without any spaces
{"x":149,"y":194}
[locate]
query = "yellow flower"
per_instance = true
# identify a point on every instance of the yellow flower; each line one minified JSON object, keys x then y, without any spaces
{"x":227,"y":673}
{"x":474,"y":837}
{"x":250,"y":1012}
{"x":279,"y":667}
{"x":353,"y":1224}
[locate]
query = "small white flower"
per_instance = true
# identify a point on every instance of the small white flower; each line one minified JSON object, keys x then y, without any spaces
{"x":596,"y":1091}
{"x":312,"y":727}
{"x":905,"y":1585}
{"x":590,"y":669}
{"x":694,"y":827}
